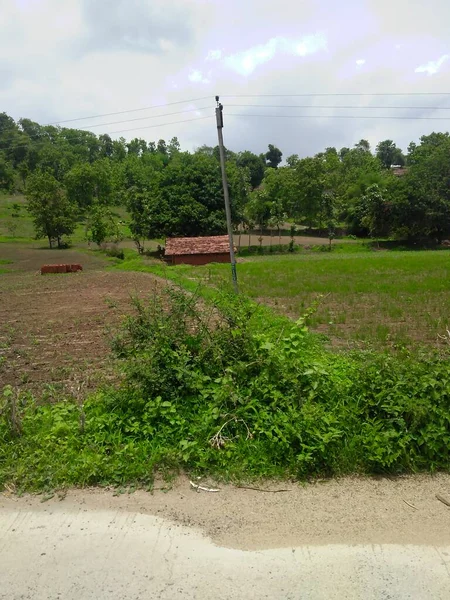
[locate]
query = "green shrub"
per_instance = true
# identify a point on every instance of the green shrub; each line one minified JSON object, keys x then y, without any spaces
{"x":229,"y":389}
{"x":115,"y":252}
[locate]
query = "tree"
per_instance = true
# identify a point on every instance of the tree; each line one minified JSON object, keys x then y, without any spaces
{"x":422,"y":206}
{"x":186,"y":198}
{"x":292,"y":160}
{"x":375,"y":212}
{"x":326,"y":217}
{"x":6,"y":175}
{"x":310,"y":187}
{"x":273,"y":156}
{"x":87,"y":184}
{"x":137,"y":146}
{"x":106,"y":145}
{"x":363,"y":146}
{"x":101,"y":225}
{"x":173,"y":146}
{"x":161,"y":147}
{"x":53,"y":215}
{"x":254,"y":164}
{"x":258,"y":210}
{"x":388,"y":154}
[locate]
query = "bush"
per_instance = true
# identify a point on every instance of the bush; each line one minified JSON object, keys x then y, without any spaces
{"x":231,"y":390}
{"x":115,"y":252}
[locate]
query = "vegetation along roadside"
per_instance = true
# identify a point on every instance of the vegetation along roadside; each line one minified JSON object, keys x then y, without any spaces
{"x":228,"y":388}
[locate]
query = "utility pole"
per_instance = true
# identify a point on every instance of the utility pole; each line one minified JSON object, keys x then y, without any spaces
{"x":219,"y":119}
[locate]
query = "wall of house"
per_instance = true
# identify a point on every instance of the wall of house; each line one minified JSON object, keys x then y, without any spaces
{"x":200,"y":259}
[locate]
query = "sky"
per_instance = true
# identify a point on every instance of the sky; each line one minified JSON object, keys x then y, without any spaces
{"x":70,"y":59}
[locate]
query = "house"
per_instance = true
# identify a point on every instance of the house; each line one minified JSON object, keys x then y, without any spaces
{"x":399,"y":171}
{"x":197,"y":250}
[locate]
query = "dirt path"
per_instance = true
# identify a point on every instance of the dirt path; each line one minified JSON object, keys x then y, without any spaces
{"x":349,"y":510}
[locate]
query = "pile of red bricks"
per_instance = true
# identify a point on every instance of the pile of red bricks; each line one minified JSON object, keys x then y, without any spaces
{"x":60,"y":269}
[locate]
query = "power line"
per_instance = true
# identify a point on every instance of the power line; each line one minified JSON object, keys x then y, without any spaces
{"x":320,"y":95}
{"x":144,"y":118}
{"x":122,"y":112}
{"x":341,"y":106}
{"x":341,"y":117}
{"x":334,"y":95}
{"x":163,"y":124}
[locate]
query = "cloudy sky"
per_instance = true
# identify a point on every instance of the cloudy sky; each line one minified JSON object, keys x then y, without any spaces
{"x":63,"y":60}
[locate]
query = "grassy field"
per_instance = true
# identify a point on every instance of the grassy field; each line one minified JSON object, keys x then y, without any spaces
{"x":238,"y":393}
{"x":381,"y":298}
{"x":385,"y":299}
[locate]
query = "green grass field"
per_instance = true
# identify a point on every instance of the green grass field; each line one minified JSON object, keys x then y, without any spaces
{"x":386,"y":299}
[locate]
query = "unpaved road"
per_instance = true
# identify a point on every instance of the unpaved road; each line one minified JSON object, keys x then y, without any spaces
{"x":346,"y":539}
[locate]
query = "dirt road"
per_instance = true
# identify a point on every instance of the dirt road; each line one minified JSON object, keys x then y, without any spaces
{"x":351,"y":538}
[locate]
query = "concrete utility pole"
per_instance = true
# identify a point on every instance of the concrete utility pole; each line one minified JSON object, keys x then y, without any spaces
{"x":219,"y":119}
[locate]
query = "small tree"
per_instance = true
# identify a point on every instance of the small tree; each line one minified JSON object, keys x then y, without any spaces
{"x":6,"y":175}
{"x":102,"y":226}
{"x":273,"y":156}
{"x":375,"y":211}
{"x":53,"y":215}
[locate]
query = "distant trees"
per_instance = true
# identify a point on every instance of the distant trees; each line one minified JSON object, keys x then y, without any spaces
{"x":254,"y":164}
{"x":273,"y":156}
{"x":67,"y":172}
{"x":87,"y":184}
{"x":53,"y":215}
{"x":388,"y":154}
{"x":186,"y":198}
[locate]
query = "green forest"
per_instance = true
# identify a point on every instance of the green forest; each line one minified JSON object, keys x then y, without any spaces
{"x":71,"y":175}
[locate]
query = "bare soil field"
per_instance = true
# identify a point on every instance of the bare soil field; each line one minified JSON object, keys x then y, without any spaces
{"x":54,"y":328}
{"x":30,"y":257}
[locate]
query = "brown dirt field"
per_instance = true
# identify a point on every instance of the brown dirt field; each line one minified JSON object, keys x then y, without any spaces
{"x":31,"y":257}
{"x":53,"y":328}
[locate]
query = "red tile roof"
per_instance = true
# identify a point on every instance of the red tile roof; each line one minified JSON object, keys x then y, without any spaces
{"x":216,"y":244}
{"x":399,"y":171}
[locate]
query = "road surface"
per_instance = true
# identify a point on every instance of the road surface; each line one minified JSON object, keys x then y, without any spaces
{"x":91,"y":545}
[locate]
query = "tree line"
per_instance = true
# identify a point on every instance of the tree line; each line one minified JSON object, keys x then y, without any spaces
{"x":71,"y":176}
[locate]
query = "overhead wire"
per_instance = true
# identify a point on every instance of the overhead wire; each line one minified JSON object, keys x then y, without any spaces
{"x":163,"y":124}
{"x":288,"y":116}
{"x":122,"y":112}
{"x":341,"y":117}
{"x":324,"y":95}
{"x":145,"y":118}
{"x":339,"y":106}
{"x":306,"y":95}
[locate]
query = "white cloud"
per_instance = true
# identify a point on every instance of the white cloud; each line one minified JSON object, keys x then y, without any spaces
{"x":311,"y":44}
{"x":360,"y":62}
{"x":433,"y":66}
{"x":140,"y":54}
{"x":197,"y":77}
{"x":214,"y":55}
{"x":246,"y":62}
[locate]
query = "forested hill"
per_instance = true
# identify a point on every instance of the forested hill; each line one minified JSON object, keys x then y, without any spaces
{"x":70,"y":175}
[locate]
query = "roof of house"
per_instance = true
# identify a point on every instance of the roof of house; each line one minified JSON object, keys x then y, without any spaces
{"x":216,"y":244}
{"x":399,"y":171}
